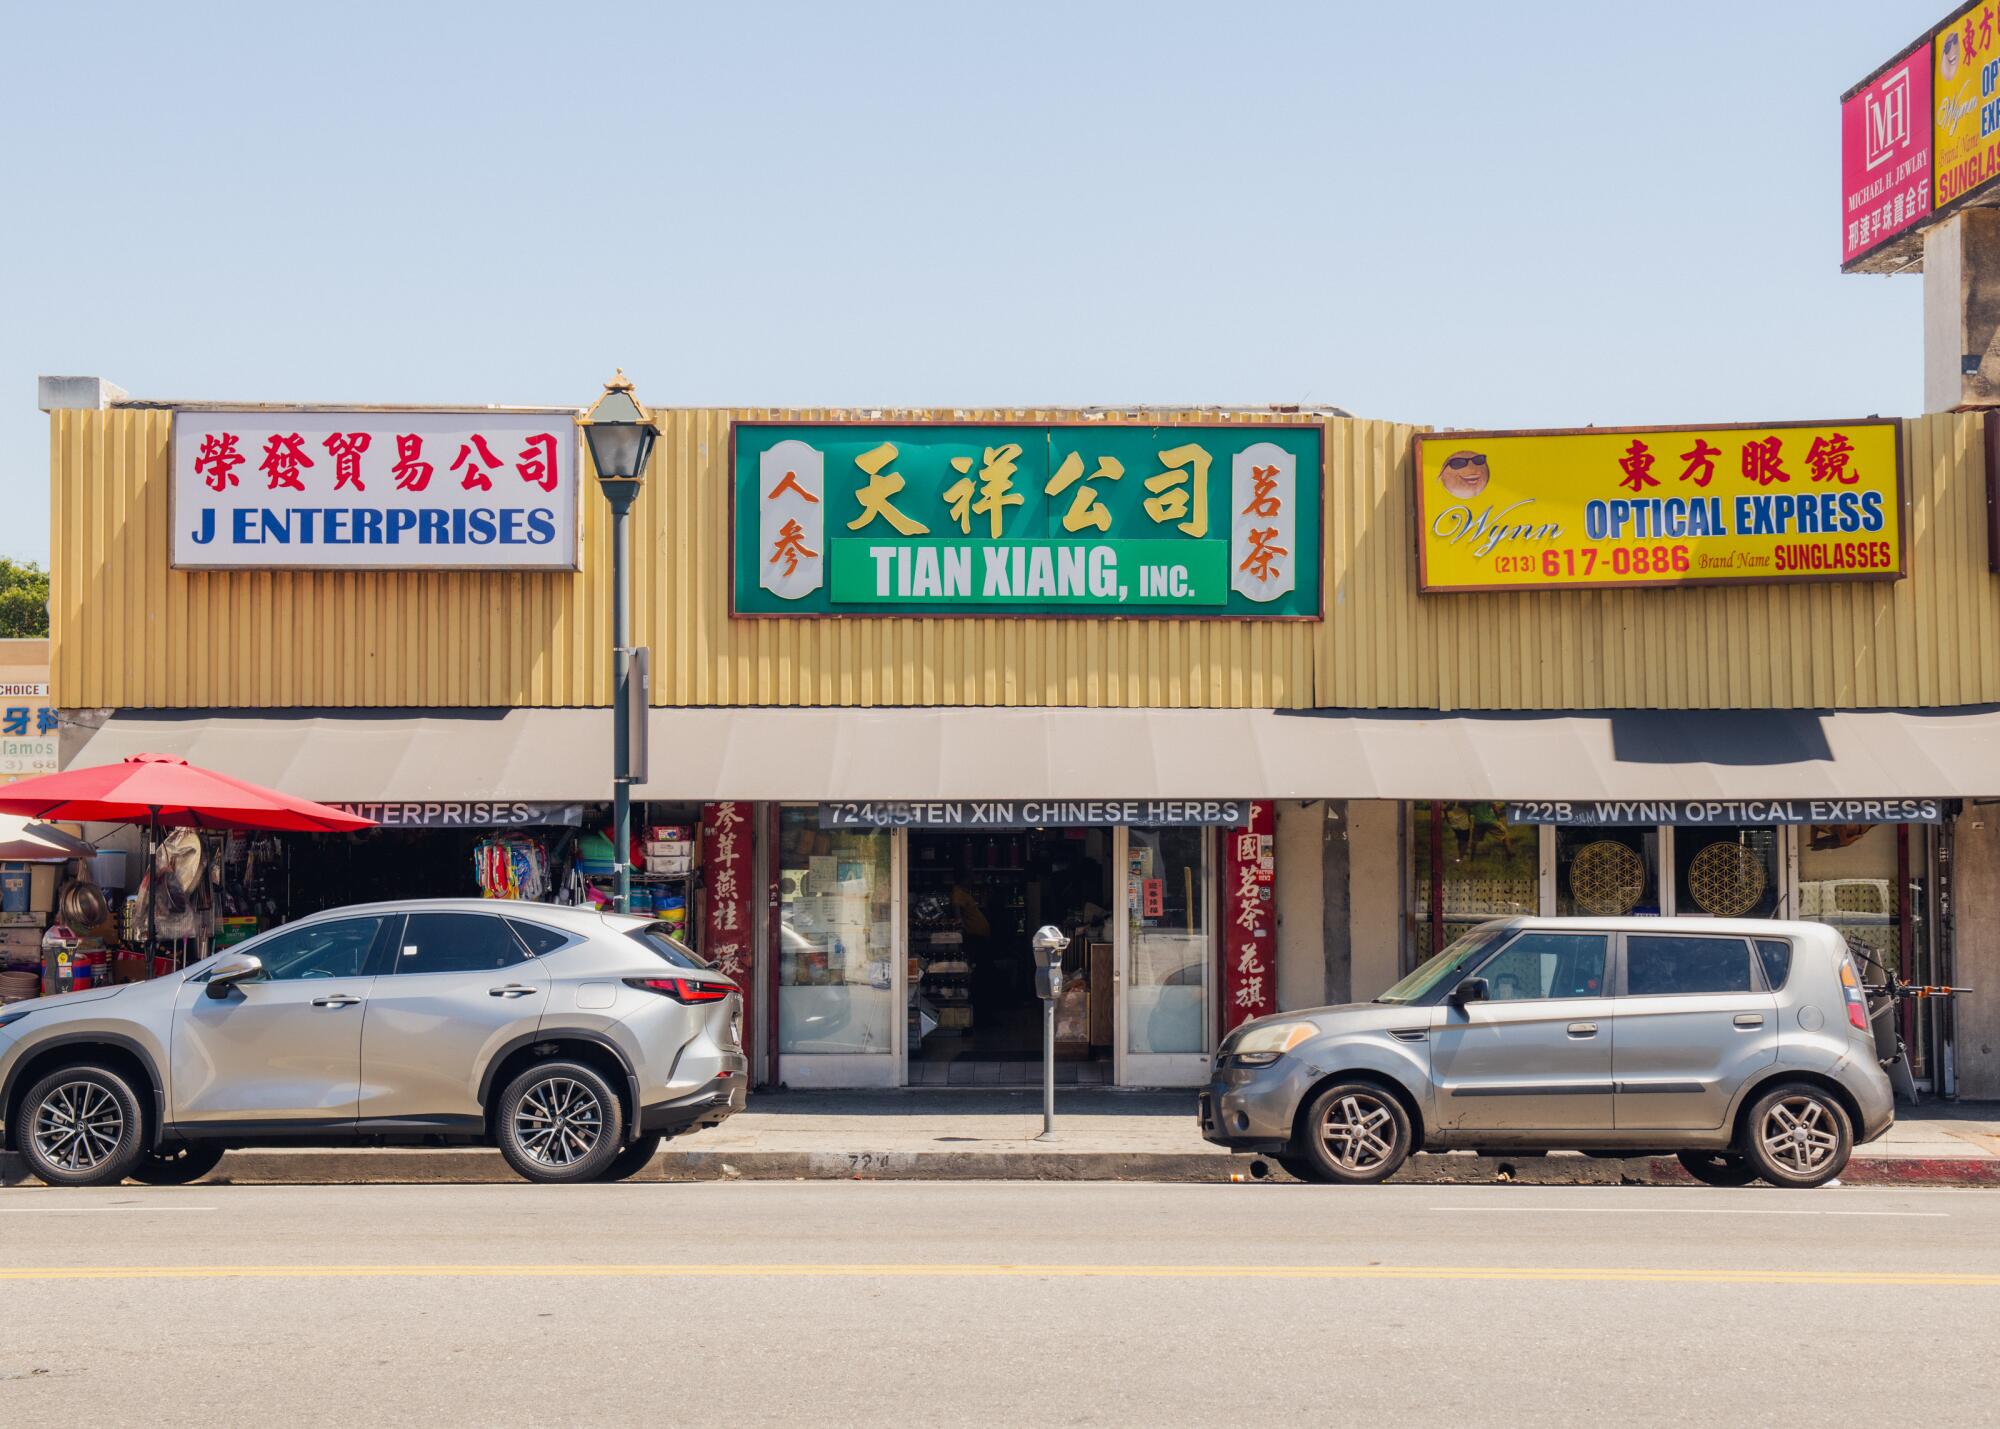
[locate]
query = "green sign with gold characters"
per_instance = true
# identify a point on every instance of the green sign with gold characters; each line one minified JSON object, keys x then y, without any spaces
{"x":1013,"y":519}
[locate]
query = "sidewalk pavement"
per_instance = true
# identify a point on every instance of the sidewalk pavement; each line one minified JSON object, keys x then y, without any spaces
{"x":1101,"y":1135}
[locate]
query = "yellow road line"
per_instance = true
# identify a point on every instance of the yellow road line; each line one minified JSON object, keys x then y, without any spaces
{"x":1614,"y":1274}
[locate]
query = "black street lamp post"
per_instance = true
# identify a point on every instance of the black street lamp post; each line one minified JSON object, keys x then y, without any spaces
{"x":621,"y":439}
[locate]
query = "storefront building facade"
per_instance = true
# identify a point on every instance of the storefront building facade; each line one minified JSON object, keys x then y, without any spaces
{"x":889,"y":709}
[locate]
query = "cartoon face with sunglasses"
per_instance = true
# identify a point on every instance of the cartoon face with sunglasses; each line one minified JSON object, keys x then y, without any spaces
{"x":1464,"y":474}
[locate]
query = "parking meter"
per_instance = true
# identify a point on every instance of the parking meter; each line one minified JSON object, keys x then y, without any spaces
{"x":1049,"y":946}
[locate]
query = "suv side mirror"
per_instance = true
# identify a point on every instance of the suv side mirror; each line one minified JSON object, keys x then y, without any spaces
{"x":235,"y":968}
{"x":1473,"y":989}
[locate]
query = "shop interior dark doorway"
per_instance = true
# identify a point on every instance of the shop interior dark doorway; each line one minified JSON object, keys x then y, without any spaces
{"x":976,"y":900}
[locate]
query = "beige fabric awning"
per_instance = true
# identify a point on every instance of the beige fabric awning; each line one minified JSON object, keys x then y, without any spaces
{"x":959,"y":753}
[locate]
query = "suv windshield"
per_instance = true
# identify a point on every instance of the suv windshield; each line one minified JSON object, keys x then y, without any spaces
{"x":659,"y":938}
{"x":1444,"y":965}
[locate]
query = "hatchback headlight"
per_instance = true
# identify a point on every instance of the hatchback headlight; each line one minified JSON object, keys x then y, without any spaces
{"x":1262,"y":1046}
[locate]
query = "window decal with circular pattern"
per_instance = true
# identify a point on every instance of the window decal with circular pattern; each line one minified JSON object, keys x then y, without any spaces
{"x":1607,"y":878}
{"x":1726,"y":879}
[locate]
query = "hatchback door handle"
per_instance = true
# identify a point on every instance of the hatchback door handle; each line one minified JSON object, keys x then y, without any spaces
{"x":1750,"y":1019}
{"x":1583,"y":1029}
{"x":338,"y":999}
{"x":512,"y":989}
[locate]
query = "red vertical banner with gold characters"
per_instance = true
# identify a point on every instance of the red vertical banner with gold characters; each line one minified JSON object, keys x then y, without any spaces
{"x":1249,"y":938}
{"x":726,"y":925}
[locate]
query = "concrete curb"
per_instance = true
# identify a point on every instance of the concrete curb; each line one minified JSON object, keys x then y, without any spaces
{"x":478,"y":1166}
{"x":1455,"y":1170}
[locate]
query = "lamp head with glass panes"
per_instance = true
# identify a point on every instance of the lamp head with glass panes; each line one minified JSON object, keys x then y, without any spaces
{"x":621,"y":440}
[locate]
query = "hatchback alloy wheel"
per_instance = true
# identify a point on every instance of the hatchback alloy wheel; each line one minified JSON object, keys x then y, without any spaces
{"x":1799,"y":1136}
{"x":1358,"y":1131}
{"x":1354,"y":1132}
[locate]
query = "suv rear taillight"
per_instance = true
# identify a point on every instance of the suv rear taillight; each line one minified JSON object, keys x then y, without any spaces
{"x":683,"y":989}
{"x":1850,"y":989}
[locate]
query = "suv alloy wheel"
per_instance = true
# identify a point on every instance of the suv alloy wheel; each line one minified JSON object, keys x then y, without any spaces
{"x":81,"y":1126}
{"x":560,"y":1122}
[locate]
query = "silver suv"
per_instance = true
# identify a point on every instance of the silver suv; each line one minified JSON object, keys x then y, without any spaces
{"x":1745,"y":1047}
{"x":573,"y":1040}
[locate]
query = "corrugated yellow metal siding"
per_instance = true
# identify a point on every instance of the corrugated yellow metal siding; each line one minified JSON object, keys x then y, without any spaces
{"x":131,"y":632}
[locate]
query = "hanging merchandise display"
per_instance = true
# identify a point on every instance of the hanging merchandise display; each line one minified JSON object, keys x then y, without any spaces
{"x":175,"y":904}
{"x":512,"y":866}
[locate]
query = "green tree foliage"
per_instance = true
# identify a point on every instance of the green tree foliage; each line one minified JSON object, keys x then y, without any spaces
{"x":24,"y":599}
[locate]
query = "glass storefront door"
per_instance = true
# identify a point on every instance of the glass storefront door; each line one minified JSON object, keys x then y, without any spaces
{"x":839,"y":1021}
{"x":1166,"y":936}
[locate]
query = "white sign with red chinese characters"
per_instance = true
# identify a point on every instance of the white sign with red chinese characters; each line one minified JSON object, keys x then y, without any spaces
{"x":725,"y":865}
{"x":791,"y":519}
{"x":1250,"y":940}
{"x":357,"y":490}
{"x":1263,"y":492}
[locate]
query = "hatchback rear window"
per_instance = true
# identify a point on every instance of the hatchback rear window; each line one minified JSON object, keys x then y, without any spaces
{"x":1659,"y":963}
{"x":1776,"y":956}
{"x":659,"y":938}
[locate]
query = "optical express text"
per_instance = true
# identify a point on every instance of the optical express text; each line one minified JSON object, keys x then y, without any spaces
{"x":1685,"y":518}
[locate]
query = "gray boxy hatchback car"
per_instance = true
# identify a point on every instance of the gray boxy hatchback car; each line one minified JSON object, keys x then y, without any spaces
{"x":573,"y":1040}
{"x":1744,"y":1047}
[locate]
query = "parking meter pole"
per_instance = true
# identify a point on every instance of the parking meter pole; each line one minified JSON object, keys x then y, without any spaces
{"x":1048,"y":1070}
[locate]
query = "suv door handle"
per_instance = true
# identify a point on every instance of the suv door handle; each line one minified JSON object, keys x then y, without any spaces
{"x":512,"y":989}
{"x":338,"y":999}
{"x":1749,"y":1019}
{"x":1583,"y":1029}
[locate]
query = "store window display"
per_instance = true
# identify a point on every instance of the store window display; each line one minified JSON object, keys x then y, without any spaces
{"x":1847,"y":878}
{"x":1471,"y":865}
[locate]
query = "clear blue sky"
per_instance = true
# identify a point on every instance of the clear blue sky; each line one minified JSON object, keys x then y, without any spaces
{"x":1462,"y":214}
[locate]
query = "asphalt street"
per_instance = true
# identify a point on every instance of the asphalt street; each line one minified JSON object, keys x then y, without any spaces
{"x":1017,"y":1303}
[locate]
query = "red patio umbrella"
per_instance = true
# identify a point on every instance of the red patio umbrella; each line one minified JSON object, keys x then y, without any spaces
{"x":160,"y":789}
{"x":157,"y":789}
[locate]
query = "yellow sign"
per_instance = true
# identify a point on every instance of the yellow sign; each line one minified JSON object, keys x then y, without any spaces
{"x":1965,"y":103}
{"x":1632,"y":506}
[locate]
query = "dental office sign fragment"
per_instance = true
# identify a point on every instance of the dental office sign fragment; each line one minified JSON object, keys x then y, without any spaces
{"x":322,"y":489}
